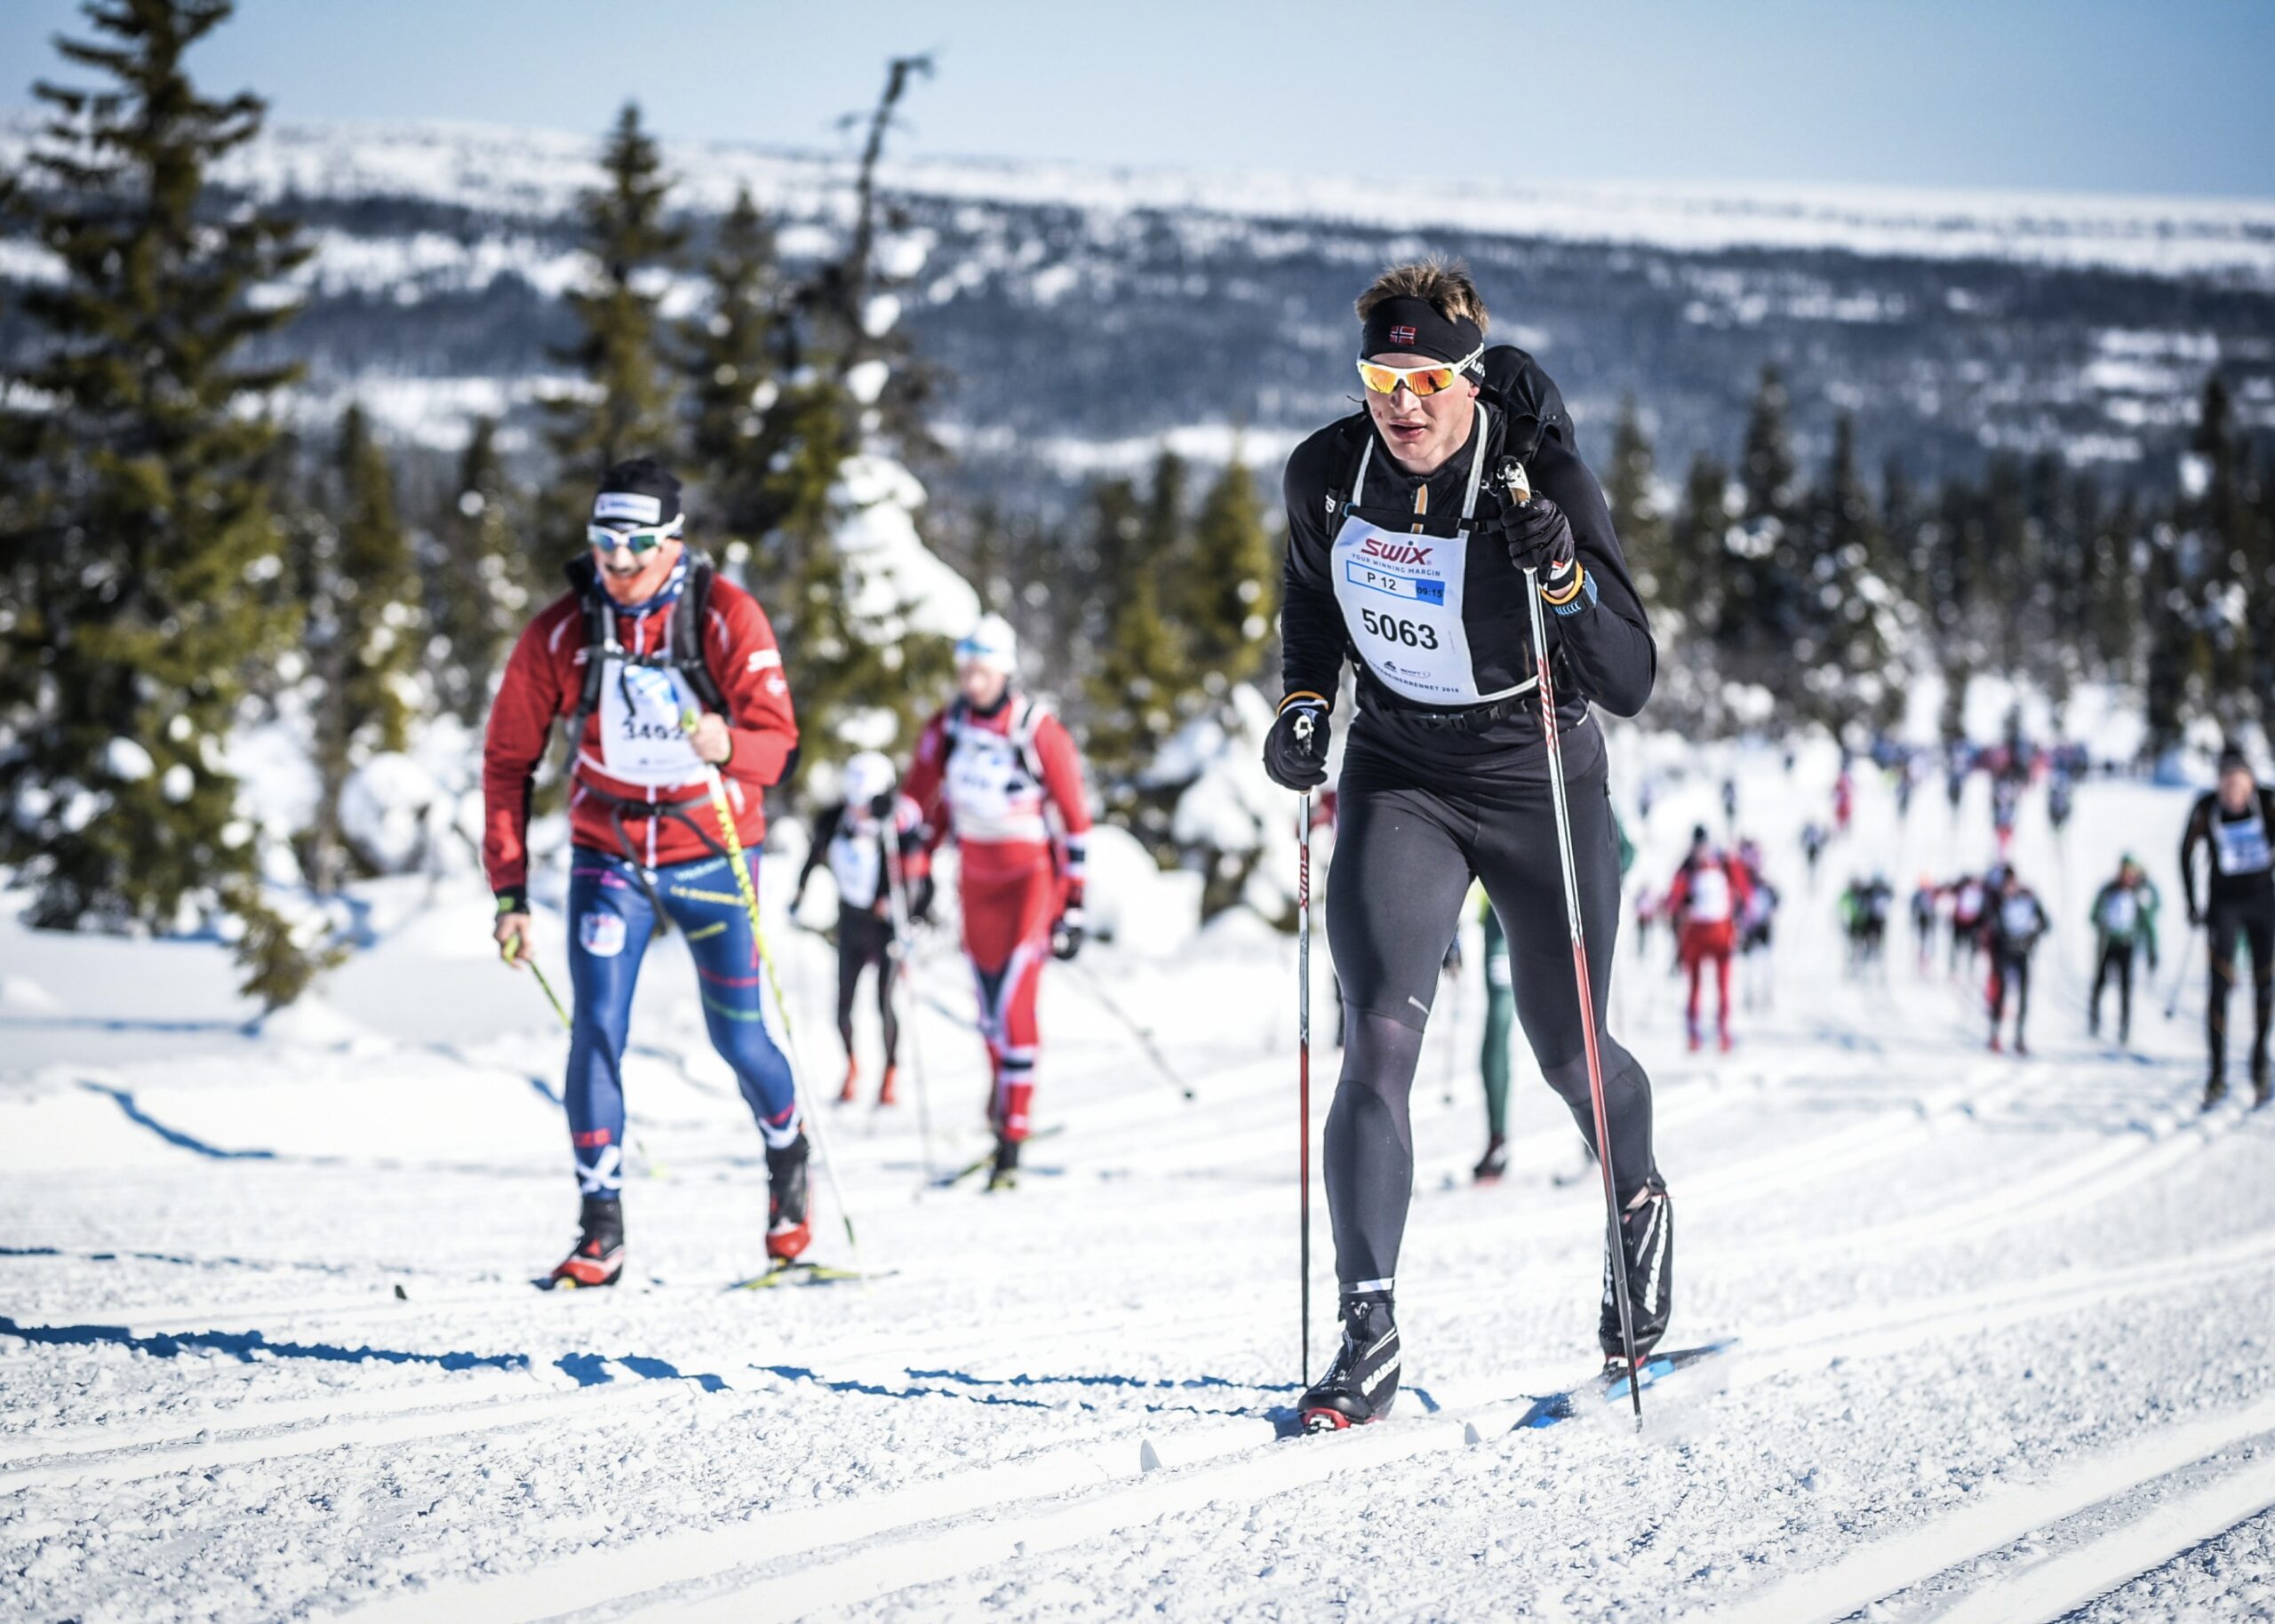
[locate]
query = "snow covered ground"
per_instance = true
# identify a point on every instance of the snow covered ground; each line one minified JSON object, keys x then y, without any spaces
{"x":269,"y":1350}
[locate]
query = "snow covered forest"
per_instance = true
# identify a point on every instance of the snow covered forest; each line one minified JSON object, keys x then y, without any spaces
{"x":300,"y":424}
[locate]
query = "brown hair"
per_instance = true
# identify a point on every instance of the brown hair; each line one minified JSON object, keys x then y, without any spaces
{"x":1445,"y":283}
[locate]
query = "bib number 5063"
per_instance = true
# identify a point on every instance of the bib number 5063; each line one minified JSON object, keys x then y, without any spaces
{"x":1391,"y":629}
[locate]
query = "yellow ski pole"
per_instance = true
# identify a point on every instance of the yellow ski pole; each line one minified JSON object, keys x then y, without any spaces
{"x":740,"y":861}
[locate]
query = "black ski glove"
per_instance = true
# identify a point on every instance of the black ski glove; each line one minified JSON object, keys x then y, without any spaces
{"x":1539,"y":537}
{"x":1068,"y":933}
{"x":1295,"y":752}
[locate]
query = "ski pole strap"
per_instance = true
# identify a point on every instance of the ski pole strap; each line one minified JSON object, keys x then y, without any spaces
{"x":1302,"y":695}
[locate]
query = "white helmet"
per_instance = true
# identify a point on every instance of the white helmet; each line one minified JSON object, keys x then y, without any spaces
{"x":991,"y":643}
{"x":867,"y":775}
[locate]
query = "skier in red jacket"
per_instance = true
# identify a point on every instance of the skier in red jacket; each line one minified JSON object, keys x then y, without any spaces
{"x":1709,"y":893}
{"x":989,"y":769}
{"x":647,"y":639}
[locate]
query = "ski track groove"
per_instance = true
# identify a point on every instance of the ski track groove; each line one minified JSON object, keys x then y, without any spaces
{"x":737,"y":1573}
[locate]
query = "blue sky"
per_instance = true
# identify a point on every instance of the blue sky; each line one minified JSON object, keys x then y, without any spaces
{"x":2097,"y":95}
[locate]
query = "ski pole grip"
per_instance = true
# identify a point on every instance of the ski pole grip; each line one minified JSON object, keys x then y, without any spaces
{"x":1510,"y":472}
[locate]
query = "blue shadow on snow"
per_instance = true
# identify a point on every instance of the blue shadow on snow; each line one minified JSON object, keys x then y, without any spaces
{"x":173,"y":1136}
{"x":243,"y":1344}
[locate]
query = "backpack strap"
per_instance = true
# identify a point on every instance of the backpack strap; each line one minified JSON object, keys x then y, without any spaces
{"x":584,"y":579}
{"x":684,"y":636}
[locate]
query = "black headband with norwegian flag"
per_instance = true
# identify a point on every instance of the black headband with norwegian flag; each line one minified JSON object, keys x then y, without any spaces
{"x":1407,"y":325}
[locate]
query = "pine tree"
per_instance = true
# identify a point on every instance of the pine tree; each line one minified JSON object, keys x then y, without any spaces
{"x":733,"y":389}
{"x":2219,"y":521}
{"x":1230,"y":579}
{"x":358,"y":580}
{"x":140,"y":519}
{"x":1140,"y":683}
{"x":1700,"y":544}
{"x":1663,"y":577}
{"x":627,"y":409}
{"x":478,"y":580}
{"x":1843,"y":600}
{"x":1764,"y":613}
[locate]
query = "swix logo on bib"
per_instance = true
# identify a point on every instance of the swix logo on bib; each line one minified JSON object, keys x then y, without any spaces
{"x":1710,"y":894}
{"x":2242,"y":848}
{"x":1402,"y":600}
{"x":641,"y":740}
{"x":989,"y":790}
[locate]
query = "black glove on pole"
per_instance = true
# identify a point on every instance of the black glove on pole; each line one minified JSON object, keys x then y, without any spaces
{"x":1295,"y":755}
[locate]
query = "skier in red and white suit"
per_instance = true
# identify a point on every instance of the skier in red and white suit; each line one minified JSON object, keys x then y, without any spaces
{"x":1709,"y":893}
{"x":989,"y":769}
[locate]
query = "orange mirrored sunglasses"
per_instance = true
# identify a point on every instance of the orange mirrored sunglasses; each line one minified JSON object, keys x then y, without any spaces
{"x":1422,"y":380}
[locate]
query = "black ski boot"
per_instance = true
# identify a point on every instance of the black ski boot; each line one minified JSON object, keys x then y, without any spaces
{"x":1646,"y":1237}
{"x":2259,"y":1082}
{"x":2214,"y":1092}
{"x":1006,"y":1172}
{"x":1362,"y":1383}
{"x":788,"y":1233}
{"x":598,"y":1257}
{"x":1494,"y":1163}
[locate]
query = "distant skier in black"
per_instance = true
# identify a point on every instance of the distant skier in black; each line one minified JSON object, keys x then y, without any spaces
{"x":848,"y":838}
{"x":1407,"y":552}
{"x":1813,"y":839}
{"x":2125,"y":920}
{"x":2016,"y":923}
{"x":1923,"y":922}
{"x":2234,"y":822}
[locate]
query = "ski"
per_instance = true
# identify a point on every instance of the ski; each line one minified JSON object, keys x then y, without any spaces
{"x":948,"y":1181}
{"x":1610,"y":1388}
{"x":786,"y":1272}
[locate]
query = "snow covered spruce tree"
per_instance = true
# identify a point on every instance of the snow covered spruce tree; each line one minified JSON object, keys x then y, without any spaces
{"x":820,"y":493}
{"x":1144,"y":682}
{"x":141,"y":517}
{"x":477,"y":577}
{"x":356,"y":577}
{"x":626,"y":407}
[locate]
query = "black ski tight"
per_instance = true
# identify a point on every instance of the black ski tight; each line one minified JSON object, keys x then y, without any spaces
{"x":2009,"y":972}
{"x":2116,"y":958}
{"x":1404,"y":856}
{"x":862,"y":939}
{"x":2252,"y":917}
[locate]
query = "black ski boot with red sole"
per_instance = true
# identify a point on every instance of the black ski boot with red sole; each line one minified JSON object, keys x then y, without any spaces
{"x":1363,"y":1382}
{"x":788,"y":1233}
{"x":598,"y":1257}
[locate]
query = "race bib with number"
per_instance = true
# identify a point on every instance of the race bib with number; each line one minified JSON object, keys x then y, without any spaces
{"x":1710,"y":896}
{"x":641,"y":740}
{"x":2118,"y":913}
{"x":2241,"y":847}
{"x":856,"y":862}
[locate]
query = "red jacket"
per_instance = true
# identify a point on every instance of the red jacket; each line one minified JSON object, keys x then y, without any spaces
{"x":991,"y":789}
{"x":542,"y":682}
{"x":1720,"y":904}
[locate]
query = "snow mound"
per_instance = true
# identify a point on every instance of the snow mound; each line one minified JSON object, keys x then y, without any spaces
{"x":23,"y":994}
{"x":1132,"y":901}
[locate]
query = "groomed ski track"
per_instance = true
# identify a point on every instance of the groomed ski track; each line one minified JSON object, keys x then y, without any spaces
{"x":2004,"y":1334}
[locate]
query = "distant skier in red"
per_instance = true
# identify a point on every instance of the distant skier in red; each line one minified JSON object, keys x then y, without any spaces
{"x":1704,"y":902}
{"x":989,"y":770}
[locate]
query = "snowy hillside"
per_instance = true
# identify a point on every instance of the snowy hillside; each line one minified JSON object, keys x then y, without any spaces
{"x":1948,"y":323}
{"x":268,"y":1349}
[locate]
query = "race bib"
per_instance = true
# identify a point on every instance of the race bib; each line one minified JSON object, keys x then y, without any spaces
{"x":990,"y":792}
{"x":1710,"y":896}
{"x":2018,"y":916}
{"x":2118,"y":913}
{"x":2241,"y":847}
{"x":856,"y":862}
{"x":642,"y":741}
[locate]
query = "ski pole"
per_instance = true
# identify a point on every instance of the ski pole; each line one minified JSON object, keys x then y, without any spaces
{"x":1520,"y":491}
{"x":1144,"y":1034}
{"x":2180,"y":981}
{"x":1304,"y":1060}
{"x":903,"y":963}
{"x":740,"y":861}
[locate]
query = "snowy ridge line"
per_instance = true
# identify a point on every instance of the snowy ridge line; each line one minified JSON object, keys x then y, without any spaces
{"x":1887,"y":1568}
{"x":380,"y":1427}
{"x":1205,"y":1462}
